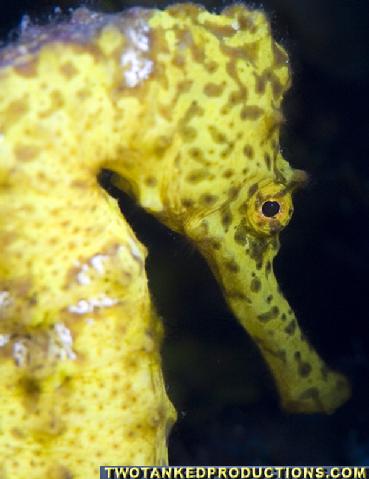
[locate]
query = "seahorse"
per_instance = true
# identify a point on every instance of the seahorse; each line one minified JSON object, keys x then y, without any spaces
{"x":184,"y":107}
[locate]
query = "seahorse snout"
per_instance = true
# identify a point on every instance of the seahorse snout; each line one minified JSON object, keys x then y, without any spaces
{"x":240,"y":243}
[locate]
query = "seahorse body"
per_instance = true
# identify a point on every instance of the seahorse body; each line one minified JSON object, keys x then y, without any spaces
{"x":184,"y":106}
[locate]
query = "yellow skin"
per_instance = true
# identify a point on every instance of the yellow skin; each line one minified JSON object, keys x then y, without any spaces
{"x":184,"y":106}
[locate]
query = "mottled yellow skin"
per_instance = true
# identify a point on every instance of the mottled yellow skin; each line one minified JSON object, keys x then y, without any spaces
{"x":184,"y":106}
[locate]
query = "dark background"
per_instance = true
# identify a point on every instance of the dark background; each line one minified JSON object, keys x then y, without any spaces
{"x":228,"y":409}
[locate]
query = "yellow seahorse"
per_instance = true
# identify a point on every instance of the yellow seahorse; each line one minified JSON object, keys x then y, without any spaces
{"x":184,"y":107}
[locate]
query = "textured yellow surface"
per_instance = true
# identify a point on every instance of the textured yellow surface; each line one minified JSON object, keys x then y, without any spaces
{"x":184,"y":106}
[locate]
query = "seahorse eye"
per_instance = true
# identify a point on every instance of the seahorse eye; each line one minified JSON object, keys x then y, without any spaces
{"x":270,"y":208}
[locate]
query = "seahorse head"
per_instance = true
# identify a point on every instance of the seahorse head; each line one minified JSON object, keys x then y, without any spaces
{"x":214,"y":171}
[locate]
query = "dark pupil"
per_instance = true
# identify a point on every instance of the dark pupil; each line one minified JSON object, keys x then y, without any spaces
{"x":270,"y":208}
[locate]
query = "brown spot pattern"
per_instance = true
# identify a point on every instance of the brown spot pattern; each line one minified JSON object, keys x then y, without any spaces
{"x":269,"y":315}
